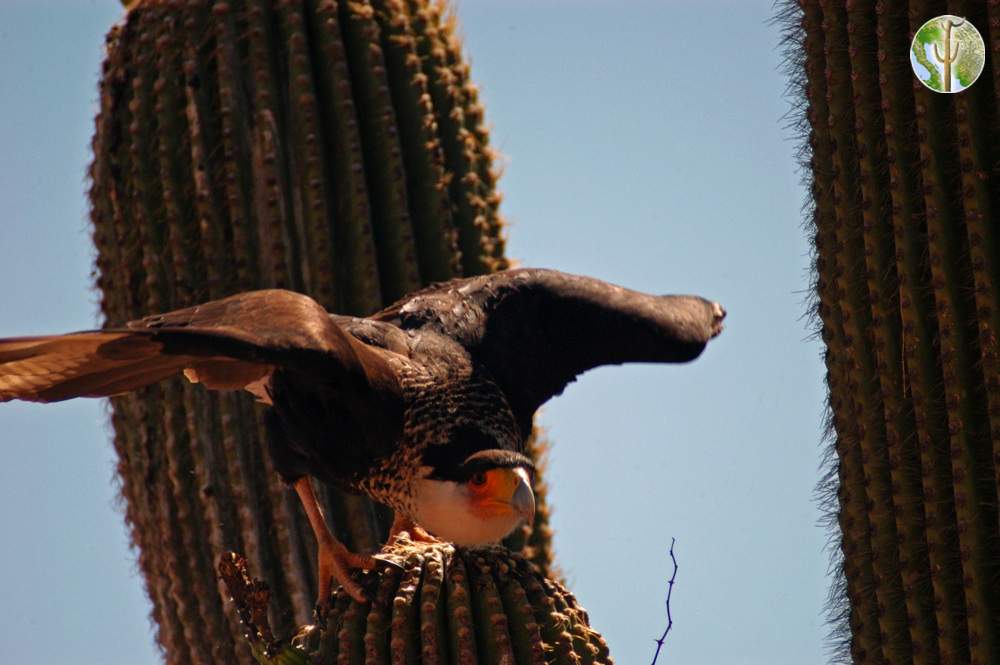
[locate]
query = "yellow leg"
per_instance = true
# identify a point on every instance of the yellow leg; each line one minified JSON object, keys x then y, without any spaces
{"x":402,"y":524}
{"x":335,"y":560}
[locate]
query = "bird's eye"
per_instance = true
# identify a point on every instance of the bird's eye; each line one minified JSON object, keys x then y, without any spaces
{"x":478,"y":479}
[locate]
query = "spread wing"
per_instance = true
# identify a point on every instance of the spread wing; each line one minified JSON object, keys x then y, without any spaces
{"x":232,"y":343}
{"x":536,"y":330}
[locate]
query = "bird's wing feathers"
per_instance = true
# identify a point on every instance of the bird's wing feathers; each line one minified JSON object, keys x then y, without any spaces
{"x":50,"y":369}
{"x":536,"y":330}
{"x":225,"y":344}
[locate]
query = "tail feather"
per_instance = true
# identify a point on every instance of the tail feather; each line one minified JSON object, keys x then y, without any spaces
{"x":86,"y":364}
{"x":113,"y":381}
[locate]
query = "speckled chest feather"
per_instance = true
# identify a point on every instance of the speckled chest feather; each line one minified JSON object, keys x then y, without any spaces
{"x":442,"y":398}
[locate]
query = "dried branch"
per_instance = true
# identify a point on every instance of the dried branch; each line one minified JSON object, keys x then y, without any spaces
{"x":251,"y":598}
{"x":670,"y":590}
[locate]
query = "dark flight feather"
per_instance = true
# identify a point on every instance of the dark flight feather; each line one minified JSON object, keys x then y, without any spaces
{"x":340,"y":409}
{"x":536,"y":330}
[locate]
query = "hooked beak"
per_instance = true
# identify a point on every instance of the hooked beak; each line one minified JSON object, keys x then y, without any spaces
{"x":523,"y":500}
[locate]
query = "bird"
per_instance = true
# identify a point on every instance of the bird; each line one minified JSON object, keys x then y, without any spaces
{"x":425,"y":406}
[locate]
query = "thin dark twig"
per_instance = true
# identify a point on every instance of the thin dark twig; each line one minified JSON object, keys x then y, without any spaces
{"x":670,"y":590}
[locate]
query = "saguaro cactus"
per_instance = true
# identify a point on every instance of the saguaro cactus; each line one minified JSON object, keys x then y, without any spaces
{"x":335,"y":148}
{"x":904,"y":220}
{"x":950,"y":54}
{"x":436,"y":605}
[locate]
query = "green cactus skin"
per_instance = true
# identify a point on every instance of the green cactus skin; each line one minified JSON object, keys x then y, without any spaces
{"x":904,"y":189}
{"x":437,"y":606}
{"x":335,"y":148}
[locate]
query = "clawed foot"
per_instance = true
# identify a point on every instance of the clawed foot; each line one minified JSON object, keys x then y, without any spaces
{"x":336,"y":563}
{"x":401,"y":525}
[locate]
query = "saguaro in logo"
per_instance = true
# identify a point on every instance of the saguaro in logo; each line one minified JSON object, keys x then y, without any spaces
{"x":947,"y":54}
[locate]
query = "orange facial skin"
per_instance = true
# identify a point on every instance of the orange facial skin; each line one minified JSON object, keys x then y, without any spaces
{"x":491,"y":492}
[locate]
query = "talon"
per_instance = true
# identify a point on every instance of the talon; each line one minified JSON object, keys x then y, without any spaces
{"x":401,"y":525}
{"x":421,"y":536}
{"x":381,"y":558}
{"x":336,"y":563}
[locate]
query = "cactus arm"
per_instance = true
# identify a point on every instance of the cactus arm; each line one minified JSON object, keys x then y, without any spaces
{"x":895,"y":463}
{"x":955,"y":51}
{"x":307,"y":178}
{"x":382,"y":153}
{"x":915,"y":370}
{"x":106,"y":215}
{"x":207,"y":221}
{"x":115,"y":226}
{"x":115,"y":257}
{"x":851,"y":516}
{"x":147,"y":204}
{"x":482,"y":155}
{"x":253,"y":221}
{"x":171,"y":151}
{"x":217,"y":438}
{"x":175,"y":286}
{"x":183,"y":270}
{"x":267,"y":513}
{"x":270,"y":199}
{"x":850,"y":342}
{"x":354,"y":244}
{"x":849,"y":299}
{"x":921,"y":377}
{"x":251,"y":255}
{"x":382,"y":220}
{"x":982,"y":241}
{"x":435,"y":235}
{"x":469,"y":211}
{"x":978,"y":558}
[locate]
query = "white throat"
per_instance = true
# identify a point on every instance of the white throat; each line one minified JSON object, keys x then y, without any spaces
{"x":443,"y":508}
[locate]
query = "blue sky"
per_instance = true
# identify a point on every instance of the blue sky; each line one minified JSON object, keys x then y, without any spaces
{"x":643,"y":145}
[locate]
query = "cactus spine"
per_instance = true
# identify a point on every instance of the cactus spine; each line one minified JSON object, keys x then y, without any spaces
{"x":904,"y":193}
{"x":335,"y":148}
